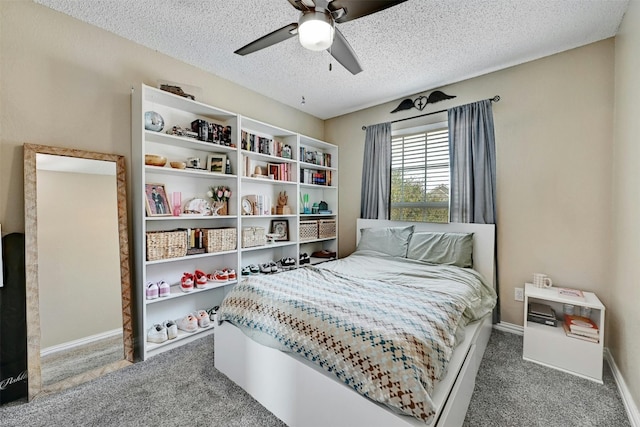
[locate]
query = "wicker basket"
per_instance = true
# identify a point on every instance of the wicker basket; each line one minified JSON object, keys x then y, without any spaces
{"x":166,"y":244}
{"x":308,"y":230}
{"x":220,"y":239}
{"x":326,"y":228}
{"x":253,"y":236}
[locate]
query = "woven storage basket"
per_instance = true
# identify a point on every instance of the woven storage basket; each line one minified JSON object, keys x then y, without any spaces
{"x":308,"y":230}
{"x":326,"y":228}
{"x":253,"y":236}
{"x":220,"y":239}
{"x":166,"y":244}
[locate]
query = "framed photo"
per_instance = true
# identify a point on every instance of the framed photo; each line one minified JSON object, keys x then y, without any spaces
{"x":156,"y":200}
{"x":216,"y":163}
{"x":274,"y":170}
{"x":281,"y":227}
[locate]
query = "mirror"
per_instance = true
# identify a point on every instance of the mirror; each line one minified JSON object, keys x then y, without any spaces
{"x":77,"y":267}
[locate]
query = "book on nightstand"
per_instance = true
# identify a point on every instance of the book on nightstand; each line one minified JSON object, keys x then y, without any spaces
{"x":581,"y":327}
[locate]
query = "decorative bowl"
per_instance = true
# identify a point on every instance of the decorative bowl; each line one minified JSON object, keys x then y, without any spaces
{"x":154,"y":160}
{"x":178,"y":165}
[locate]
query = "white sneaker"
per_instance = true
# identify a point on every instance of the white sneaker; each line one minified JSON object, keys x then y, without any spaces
{"x":187,"y":323}
{"x":172,"y":329}
{"x":157,"y":334}
{"x":203,"y":318}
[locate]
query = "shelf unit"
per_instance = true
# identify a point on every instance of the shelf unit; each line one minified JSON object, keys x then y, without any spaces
{"x":179,"y":111}
{"x":550,"y":346}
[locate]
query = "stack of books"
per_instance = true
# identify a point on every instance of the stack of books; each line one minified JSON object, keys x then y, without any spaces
{"x":581,"y":328}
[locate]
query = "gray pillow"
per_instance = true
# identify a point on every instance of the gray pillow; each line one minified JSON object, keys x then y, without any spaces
{"x":442,"y":248}
{"x":392,"y":241}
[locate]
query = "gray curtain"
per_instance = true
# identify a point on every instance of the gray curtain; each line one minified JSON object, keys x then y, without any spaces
{"x":375,"y":196}
{"x":472,"y":153}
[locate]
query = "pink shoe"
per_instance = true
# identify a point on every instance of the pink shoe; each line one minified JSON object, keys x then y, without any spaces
{"x":203,"y":318}
{"x":201,"y":279}
{"x":152,"y":290}
{"x":164,"y":290}
{"x":187,"y":323}
{"x":186,"y":283}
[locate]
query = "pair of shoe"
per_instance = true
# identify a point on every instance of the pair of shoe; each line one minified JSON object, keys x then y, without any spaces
{"x":192,"y":321}
{"x":160,"y":333}
{"x":223,"y":275}
{"x":189,"y":281}
{"x":160,"y":289}
{"x":250,"y":269}
{"x":269,"y":267}
{"x":305,"y":259}
{"x":287,"y":262}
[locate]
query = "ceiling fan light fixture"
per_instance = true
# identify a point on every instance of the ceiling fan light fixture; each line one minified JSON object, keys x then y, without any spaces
{"x":315,"y":30}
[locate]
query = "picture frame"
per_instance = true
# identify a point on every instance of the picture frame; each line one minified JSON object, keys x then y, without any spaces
{"x":156,"y":200}
{"x":273,"y":170}
{"x":281,"y":227}
{"x":216,"y":163}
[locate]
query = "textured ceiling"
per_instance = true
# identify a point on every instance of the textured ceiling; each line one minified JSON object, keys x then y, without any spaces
{"x":413,"y":47}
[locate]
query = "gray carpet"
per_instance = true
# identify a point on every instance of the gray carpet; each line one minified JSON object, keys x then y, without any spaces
{"x":181,"y":387}
{"x":512,"y":392}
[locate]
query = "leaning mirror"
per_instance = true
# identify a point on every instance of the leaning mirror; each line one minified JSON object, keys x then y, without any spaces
{"x":77,"y":267}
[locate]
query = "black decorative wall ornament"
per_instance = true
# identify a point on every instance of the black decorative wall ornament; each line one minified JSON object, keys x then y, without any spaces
{"x":421,"y":102}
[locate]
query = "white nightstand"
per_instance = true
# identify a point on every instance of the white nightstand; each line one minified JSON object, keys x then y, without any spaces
{"x":549,"y":346}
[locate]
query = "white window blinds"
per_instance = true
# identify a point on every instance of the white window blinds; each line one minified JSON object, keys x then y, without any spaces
{"x":420,"y":176}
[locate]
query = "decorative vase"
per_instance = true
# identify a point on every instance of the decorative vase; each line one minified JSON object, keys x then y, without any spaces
{"x":219,"y":208}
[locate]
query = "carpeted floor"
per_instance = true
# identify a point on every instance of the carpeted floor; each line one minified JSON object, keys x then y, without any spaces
{"x":512,"y":392}
{"x":181,"y":387}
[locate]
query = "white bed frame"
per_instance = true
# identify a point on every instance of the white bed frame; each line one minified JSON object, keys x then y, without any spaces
{"x":302,"y":394}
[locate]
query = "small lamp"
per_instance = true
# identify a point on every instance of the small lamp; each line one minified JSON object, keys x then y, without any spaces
{"x":315,"y":30}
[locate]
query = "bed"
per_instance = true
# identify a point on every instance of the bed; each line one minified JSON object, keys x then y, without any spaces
{"x":306,"y":367}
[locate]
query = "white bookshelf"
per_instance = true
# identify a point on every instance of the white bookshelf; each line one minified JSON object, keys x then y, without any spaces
{"x":179,"y":111}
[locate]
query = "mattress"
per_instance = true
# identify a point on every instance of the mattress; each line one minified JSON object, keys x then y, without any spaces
{"x":384,"y":326}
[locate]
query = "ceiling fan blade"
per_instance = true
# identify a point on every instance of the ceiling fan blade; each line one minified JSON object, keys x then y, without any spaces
{"x":343,"y":53}
{"x":300,"y":5}
{"x":359,"y":8}
{"x":270,"y":39}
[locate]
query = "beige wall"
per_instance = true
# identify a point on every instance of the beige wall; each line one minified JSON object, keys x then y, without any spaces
{"x":78,"y":228}
{"x":67,"y":83}
{"x":553,"y":141}
{"x":624,"y":316}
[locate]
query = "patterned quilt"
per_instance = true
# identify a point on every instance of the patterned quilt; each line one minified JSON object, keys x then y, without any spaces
{"x":391,"y":342}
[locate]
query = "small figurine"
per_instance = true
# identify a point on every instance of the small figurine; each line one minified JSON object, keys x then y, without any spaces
{"x":282,"y":208}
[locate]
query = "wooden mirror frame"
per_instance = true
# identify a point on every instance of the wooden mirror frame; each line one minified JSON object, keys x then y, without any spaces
{"x":35,"y":386}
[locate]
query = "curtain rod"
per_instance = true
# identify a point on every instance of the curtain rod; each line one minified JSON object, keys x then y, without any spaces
{"x":494,"y":99}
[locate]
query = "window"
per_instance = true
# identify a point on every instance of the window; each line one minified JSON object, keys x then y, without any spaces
{"x":420,"y":175}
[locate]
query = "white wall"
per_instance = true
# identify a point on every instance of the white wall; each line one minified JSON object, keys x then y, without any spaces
{"x":624,"y":314}
{"x":553,"y":141}
{"x":67,"y":83}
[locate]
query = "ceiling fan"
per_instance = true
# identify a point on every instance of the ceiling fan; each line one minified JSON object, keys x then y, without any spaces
{"x":316,"y":28}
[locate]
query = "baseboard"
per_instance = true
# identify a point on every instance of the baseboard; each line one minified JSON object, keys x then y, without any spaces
{"x":82,"y":341}
{"x":627,"y":399}
{"x":509,"y":327}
